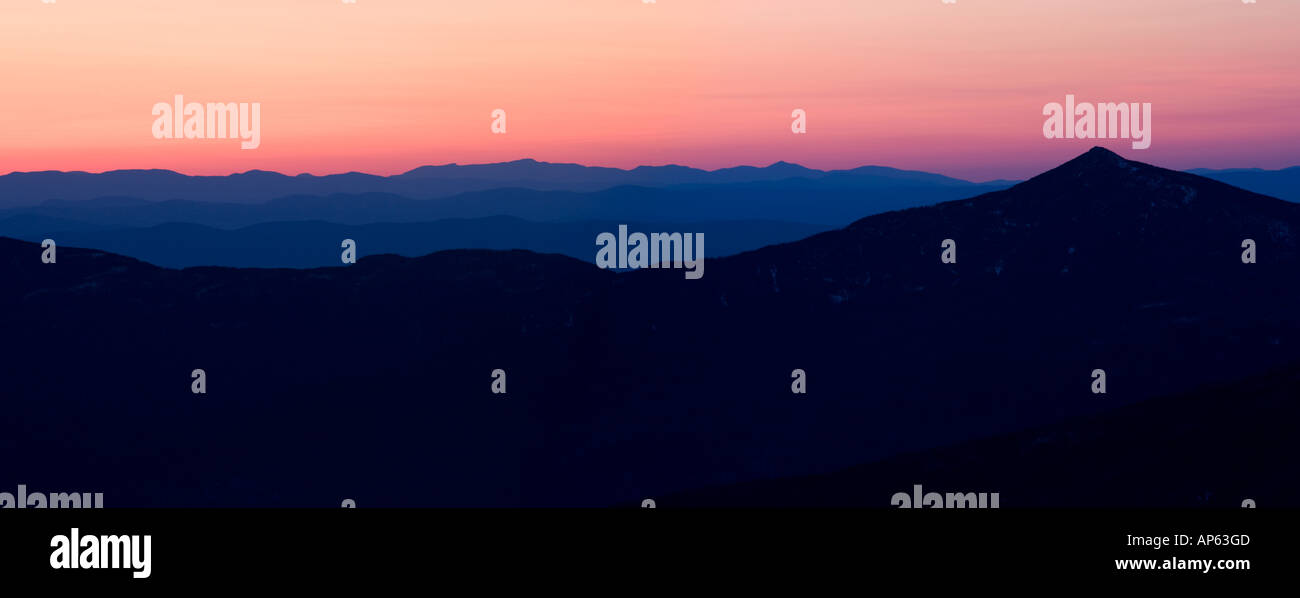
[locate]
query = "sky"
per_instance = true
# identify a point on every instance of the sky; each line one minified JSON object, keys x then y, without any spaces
{"x":384,"y":86}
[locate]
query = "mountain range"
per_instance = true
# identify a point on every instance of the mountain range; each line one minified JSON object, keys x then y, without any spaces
{"x":428,"y":182}
{"x":18,"y":189}
{"x":265,"y":219}
{"x":373,"y":381}
{"x":242,"y":220}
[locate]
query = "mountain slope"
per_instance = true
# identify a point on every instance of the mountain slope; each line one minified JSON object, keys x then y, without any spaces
{"x":1215,"y":447}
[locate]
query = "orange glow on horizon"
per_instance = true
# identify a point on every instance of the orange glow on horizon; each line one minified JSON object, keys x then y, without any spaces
{"x":383,"y":86}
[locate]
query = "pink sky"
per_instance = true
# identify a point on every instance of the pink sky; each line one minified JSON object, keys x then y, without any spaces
{"x":383,"y":86}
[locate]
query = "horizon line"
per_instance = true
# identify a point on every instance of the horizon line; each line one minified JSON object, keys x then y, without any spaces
{"x":534,"y":160}
{"x":625,"y":170}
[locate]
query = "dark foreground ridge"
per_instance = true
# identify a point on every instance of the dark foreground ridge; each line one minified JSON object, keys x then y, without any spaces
{"x":1219,"y":446}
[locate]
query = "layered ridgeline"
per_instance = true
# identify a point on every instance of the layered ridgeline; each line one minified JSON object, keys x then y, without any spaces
{"x":264,"y":219}
{"x":793,"y":201}
{"x":311,"y":244}
{"x":426,"y":182}
{"x":373,"y":381}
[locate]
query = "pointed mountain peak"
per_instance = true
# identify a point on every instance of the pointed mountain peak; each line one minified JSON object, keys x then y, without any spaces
{"x":1125,"y":192}
{"x":1096,"y":163}
{"x":1098,"y":157}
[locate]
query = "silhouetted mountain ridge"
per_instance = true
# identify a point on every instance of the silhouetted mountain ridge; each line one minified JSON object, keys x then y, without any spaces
{"x":428,"y":182}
